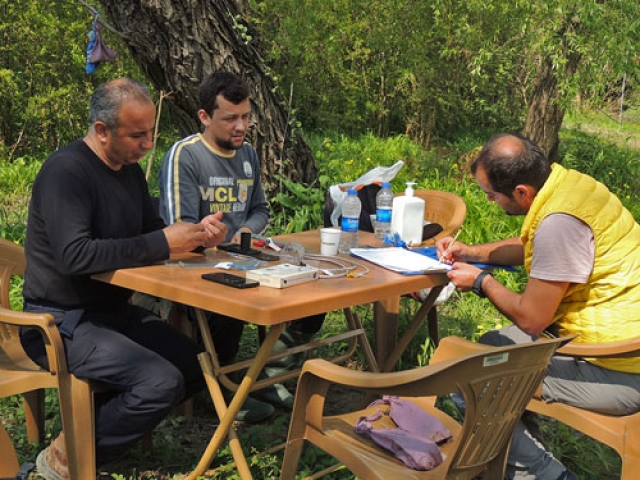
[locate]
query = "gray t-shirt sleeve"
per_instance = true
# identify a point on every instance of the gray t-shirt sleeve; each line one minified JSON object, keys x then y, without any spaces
{"x":563,"y":250}
{"x":179,"y":183}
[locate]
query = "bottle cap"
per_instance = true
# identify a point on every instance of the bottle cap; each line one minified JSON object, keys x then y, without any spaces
{"x":352,"y":191}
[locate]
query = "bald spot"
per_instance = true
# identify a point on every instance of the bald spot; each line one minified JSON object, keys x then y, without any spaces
{"x":508,"y":147}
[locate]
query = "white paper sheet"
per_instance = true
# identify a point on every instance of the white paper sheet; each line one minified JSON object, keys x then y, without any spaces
{"x":401,"y":260}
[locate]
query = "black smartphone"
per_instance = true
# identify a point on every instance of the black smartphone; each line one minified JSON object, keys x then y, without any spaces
{"x":252,"y":252}
{"x":231,"y":280}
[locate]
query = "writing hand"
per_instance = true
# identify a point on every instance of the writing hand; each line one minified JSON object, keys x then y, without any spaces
{"x":450,"y":250}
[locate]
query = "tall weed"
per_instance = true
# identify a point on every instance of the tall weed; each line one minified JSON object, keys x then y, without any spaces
{"x":16,"y":178}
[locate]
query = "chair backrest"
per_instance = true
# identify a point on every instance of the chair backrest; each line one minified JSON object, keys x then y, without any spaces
{"x":445,"y":208}
{"x":12,"y":262}
{"x":496,"y":387}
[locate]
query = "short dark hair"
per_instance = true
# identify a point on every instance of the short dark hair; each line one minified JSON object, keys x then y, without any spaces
{"x":109,"y":97}
{"x":227,"y":84}
{"x":527,"y":166}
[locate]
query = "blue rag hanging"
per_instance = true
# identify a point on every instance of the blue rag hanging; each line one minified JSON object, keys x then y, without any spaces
{"x":97,"y":51}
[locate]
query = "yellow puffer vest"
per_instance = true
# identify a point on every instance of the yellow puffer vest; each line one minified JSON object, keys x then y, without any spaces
{"x":607,"y":307}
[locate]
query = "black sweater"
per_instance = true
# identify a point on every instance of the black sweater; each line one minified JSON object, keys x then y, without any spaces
{"x":86,"y":218}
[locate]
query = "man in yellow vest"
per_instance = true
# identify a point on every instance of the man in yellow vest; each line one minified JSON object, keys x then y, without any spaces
{"x":581,"y":249}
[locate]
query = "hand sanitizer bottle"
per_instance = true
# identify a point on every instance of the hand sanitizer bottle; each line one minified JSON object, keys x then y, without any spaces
{"x":407,"y":218}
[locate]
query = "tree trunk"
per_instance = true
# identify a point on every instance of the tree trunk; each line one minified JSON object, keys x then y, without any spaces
{"x":545,"y":115}
{"x":178,"y":42}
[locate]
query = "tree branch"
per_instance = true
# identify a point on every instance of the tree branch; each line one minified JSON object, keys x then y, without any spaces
{"x":102,"y":21}
{"x":155,"y":133}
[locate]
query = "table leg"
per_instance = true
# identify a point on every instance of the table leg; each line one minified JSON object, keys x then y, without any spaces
{"x":385,"y":313}
{"x":354,"y":323}
{"x":228,"y":414}
{"x":390,"y":361}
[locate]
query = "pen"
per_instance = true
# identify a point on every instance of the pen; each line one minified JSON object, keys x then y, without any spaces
{"x":455,"y":237}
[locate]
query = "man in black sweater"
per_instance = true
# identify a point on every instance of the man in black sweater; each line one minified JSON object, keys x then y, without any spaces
{"x":91,"y":212}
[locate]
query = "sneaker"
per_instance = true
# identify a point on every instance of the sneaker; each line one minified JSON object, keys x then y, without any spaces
{"x":51,"y":463}
{"x":252,"y":410}
{"x":277,"y":395}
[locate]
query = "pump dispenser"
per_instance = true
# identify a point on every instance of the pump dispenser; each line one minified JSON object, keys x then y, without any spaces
{"x":407,"y":218}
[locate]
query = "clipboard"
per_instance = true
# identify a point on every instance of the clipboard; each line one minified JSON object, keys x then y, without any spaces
{"x":414,"y":261}
{"x":432,"y":252}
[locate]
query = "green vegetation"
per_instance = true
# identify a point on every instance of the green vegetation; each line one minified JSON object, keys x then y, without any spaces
{"x":372,"y":83}
{"x":433,"y":70}
{"x":178,"y":442}
{"x":438,"y":69}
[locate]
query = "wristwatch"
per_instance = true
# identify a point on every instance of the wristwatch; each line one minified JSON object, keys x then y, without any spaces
{"x":477,"y":284}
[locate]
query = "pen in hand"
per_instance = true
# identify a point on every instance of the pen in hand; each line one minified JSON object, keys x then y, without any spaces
{"x":455,"y":237}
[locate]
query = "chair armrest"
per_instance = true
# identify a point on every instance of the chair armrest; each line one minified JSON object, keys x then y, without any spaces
{"x":347,"y":377}
{"x":453,"y":347}
{"x":449,"y":349}
{"x":388,"y":382}
{"x":368,"y":381}
{"x":622,"y":348}
{"x":46,"y":324}
{"x":26,"y":319}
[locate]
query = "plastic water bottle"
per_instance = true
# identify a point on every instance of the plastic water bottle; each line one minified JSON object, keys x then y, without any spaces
{"x":384,"y":206}
{"x":351,"y":208}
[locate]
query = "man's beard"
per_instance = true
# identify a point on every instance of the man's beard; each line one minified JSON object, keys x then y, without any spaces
{"x":227,"y":144}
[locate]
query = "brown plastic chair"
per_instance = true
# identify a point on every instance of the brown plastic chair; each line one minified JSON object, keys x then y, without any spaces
{"x":19,"y":375}
{"x":445,"y":208}
{"x":622,"y":433}
{"x":496,"y":383}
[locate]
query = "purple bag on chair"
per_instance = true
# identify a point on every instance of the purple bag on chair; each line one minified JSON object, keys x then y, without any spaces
{"x":415,"y":441}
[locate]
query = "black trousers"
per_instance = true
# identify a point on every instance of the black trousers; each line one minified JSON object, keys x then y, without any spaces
{"x":146,"y":366}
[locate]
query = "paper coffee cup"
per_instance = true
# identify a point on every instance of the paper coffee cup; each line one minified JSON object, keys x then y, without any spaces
{"x":329,"y":241}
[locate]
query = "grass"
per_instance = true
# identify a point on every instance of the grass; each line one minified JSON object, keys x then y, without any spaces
{"x":591,"y":142}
